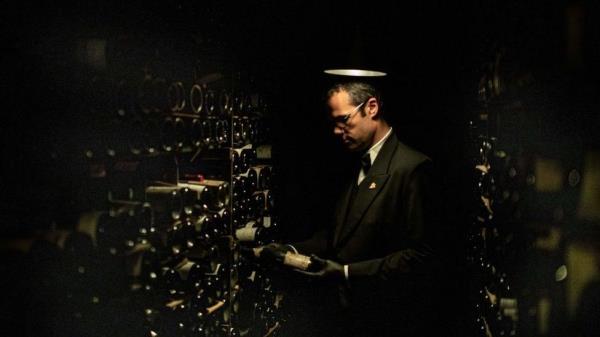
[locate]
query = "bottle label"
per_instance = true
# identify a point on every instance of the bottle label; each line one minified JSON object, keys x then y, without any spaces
{"x":266,"y":221}
{"x":263,"y":152}
{"x":246,"y":234}
{"x":297,"y":261}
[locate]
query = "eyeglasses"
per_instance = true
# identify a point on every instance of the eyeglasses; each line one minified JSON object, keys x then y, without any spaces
{"x":343,"y":120}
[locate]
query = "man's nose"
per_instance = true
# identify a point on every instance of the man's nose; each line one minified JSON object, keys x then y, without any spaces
{"x":337,"y":130}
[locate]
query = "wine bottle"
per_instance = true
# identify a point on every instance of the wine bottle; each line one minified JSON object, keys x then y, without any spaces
{"x":175,"y":205}
{"x":247,"y":158}
{"x":168,"y":135}
{"x":259,"y":204}
{"x":240,"y":187}
{"x":152,"y":136}
{"x":210,"y":104}
{"x":225,"y":104}
{"x":195,"y":136}
{"x":180,"y":129}
{"x":253,"y":130}
{"x":189,"y":198}
{"x":264,"y":178}
{"x":255,"y":233}
{"x":173,"y":282}
{"x":214,"y":193}
{"x":207,"y":228}
{"x":208,"y":133}
{"x":235,"y":162}
{"x":136,"y":139}
{"x":197,"y":99}
{"x":287,"y":258}
{"x":165,"y":201}
{"x":196,"y":276}
{"x":222,"y":133}
{"x":252,"y":183}
{"x":238,"y":131}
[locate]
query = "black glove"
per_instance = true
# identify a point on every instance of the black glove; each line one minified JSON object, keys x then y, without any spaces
{"x":329,"y":270}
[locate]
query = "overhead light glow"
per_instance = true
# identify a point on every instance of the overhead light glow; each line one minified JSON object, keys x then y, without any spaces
{"x":355,"y":72}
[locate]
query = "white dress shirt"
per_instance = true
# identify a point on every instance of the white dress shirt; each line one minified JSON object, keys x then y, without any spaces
{"x":373,"y":152}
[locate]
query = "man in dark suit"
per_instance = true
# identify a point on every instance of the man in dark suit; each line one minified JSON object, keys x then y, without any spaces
{"x":381,"y":255}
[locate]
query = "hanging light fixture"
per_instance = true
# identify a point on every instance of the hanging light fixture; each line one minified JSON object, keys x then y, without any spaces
{"x":355,"y":72}
{"x":358,"y":61}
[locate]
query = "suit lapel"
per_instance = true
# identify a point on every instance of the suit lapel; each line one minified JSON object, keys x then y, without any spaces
{"x":342,"y":209}
{"x":367,"y":191}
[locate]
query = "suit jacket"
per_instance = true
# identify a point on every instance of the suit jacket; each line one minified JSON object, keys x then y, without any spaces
{"x":389,"y":237}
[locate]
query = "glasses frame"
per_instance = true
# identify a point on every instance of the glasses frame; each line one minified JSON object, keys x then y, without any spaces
{"x":342,"y":120}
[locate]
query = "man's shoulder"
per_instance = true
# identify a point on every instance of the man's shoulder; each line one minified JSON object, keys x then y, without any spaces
{"x":408,"y":158}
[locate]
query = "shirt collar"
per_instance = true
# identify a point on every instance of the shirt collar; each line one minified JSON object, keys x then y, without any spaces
{"x":374,"y":150}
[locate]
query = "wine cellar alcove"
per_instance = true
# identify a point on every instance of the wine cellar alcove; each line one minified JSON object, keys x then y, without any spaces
{"x":148,"y":148}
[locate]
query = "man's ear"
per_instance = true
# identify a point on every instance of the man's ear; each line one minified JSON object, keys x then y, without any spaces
{"x":373,"y":107}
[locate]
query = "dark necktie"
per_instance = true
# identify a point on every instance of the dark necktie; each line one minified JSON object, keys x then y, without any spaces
{"x":365,"y":162}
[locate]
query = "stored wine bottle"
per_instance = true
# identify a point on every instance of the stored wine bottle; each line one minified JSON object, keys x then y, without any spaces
{"x":210,"y":103}
{"x":238,"y":215}
{"x":189,"y":198}
{"x":247,"y":158}
{"x":264,"y":177}
{"x":165,"y":201}
{"x":225,"y":104}
{"x":196,"y":137}
{"x":237,"y":130}
{"x":136,"y":139}
{"x":259,"y":204}
{"x":152,"y":136}
{"x":269,"y":203}
{"x":215,"y":193}
{"x":197,"y":99}
{"x":108,"y":234}
{"x":253,"y":130}
{"x":255,"y":233}
{"x":240,"y":186}
{"x":168,"y":135}
{"x":222,"y":133}
{"x":182,"y":236}
{"x":235,"y":162}
{"x":252,"y":183}
{"x":150,"y":270}
{"x":181,"y":133}
{"x":208,"y":133}
{"x":207,"y":229}
{"x":173,"y":282}
{"x":196,"y":276}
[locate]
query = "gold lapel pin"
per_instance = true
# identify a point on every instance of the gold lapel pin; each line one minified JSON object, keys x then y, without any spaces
{"x":372,"y":186}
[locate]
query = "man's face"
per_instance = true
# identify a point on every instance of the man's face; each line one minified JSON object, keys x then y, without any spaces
{"x":357,"y":132}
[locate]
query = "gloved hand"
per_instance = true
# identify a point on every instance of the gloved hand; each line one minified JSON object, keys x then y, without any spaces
{"x":327,"y":270}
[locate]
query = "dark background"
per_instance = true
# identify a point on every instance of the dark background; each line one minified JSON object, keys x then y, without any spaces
{"x":434,"y":54}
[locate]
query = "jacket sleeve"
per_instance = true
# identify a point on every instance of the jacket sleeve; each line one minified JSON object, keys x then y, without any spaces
{"x":317,"y":244}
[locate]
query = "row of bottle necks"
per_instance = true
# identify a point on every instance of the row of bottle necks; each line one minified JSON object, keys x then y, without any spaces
{"x":193,"y":267}
{"x":156,"y":96}
{"x":200,"y":209}
{"x":176,"y":133}
{"x":214,"y":294}
{"x":125,"y":179}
